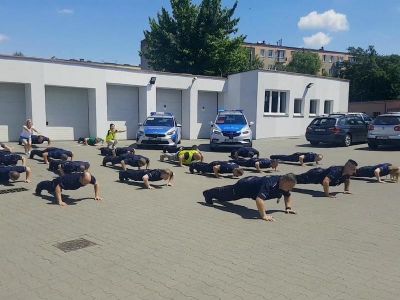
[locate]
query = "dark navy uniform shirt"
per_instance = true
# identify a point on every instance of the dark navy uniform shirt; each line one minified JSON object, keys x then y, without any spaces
{"x":317,"y":176}
{"x":4,"y":152}
{"x":251,"y":162}
{"x":10,"y":159}
{"x":245,"y":152}
{"x":5,"y":171}
{"x":57,"y":153}
{"x":35,"y":139}
{"x":201,"y":167}
{"x":54,"y":163}
{"x":71,"y":181}
{"x":225,"y":166}
{"x":133,"y":160}
{"x":74,"y":166}
{"x":137,"y":175}
{"x":308,"y":156}
{"x":266,"y":187}
{"x":369,"y":171}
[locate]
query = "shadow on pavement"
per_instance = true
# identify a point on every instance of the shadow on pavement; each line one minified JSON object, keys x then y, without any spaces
{"x":140,"y":185}
{"x":242,"y":211}
{"x":380,"y":149}
{"x":66,"y":198}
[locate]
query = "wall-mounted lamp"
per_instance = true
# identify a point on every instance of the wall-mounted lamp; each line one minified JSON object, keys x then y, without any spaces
{"x":152,"y":80}
{"x":309,"y":85}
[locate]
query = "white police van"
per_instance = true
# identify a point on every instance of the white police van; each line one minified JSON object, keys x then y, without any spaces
{"x":160,"y":128}
{"x":231,"y":129}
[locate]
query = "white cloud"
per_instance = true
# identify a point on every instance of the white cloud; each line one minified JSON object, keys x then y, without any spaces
{"x":3,"y":38}
{"x":317,"y":40}
{"x":329,"y":20}
{"x":66,"y":11}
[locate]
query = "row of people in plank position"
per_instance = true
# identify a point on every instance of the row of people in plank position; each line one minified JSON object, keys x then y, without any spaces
{"x":190,"y":156}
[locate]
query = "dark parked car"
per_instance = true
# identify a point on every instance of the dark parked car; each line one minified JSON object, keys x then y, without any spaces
{"x":343,"y":130}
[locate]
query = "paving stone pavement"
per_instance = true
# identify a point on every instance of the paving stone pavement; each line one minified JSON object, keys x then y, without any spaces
{"x":165,"y":244}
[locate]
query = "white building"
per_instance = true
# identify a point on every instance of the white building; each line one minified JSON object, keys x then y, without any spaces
{"x":70,"y":99}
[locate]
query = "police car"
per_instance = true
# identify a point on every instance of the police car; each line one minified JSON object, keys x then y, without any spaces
{"x":230,"y":129}
{"x":160,"y":128}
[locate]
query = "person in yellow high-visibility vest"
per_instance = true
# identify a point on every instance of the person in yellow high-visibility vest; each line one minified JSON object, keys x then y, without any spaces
{"x":111,"y":139}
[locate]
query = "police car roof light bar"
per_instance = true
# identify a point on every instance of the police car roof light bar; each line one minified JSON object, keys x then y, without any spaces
{"x":160,"y":113}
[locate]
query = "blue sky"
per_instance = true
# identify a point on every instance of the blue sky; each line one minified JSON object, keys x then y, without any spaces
{"x":111,"y":30}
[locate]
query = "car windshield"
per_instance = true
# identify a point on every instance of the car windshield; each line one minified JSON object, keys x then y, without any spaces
{"x":167,"y":122}
{"x":324,"y":122}
{"x":231,"y":119}
{"x":387,"y":120}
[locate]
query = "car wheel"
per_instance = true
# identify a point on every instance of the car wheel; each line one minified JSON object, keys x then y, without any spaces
{"x":314,"y":143}
{"x":372,"y":146}
{"x":347,"y":140}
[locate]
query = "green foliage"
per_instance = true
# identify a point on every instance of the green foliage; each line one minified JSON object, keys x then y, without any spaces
{"x":197,"y":39}
{"x":18,"y":53}
{"x":305,"y":62}
{"x":372,"y":76}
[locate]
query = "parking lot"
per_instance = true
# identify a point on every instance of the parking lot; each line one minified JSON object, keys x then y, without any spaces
{"x":165,"y":244}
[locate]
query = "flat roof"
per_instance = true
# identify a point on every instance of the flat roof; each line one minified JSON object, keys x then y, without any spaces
{"x":102,"y":65}
{"x":295,"y":48}
{"x":295,"y":74}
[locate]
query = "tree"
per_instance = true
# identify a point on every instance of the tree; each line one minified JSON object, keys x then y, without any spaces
{"x":372,"y":76}
{"x":305,"y":62}
{"x":18,"y":53}
{"x":198,"y":39}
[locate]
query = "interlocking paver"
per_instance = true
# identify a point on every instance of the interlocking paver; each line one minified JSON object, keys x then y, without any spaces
{"x":163,"y":244}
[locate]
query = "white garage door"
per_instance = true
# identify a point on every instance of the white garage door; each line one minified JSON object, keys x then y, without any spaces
{"x":67,"y":113}
{"x":207,"y":108}
{"x":12,"y":111}
{"x":123,"y":109}
{"x":170,"y":101}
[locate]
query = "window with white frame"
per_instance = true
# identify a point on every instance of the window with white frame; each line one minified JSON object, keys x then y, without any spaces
{"x":275,"y":102}
{"x":270,"y":53}
{"x":298,"y":106}
{"x":262,"y":53}
{"x":328,"y":106}
{"x":314,"y":107}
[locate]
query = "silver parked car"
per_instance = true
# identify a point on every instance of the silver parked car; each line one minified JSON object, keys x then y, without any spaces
{"x":384,"y":130}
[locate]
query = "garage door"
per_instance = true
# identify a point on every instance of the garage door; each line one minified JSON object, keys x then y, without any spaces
{"x":207,"y":108}
{"x":123,"y":109}
{"x":170,"y":101}
{"x":67,"y":113}
{"x":12,"y":111}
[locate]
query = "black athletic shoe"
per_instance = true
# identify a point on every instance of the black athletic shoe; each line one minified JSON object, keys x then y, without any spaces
{"x":207,"y":198}
{"x":104,"y":162}
{"x":121,"y":177}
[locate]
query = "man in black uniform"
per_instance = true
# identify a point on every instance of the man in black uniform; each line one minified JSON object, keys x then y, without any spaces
{"x":258,"y":163}
{"x":216,"y":167}
{"x":68,"y":167}
{"x":105,"y":151}
{"x":72,"y":181}
{"x":133,"y":160}
{"x":147,"y":175}
{"x":174,"y":149}
{"x":301,"y":157}
{"x":11,"y":159}
{"x":40,"y":139}
{"x":247,"y":152}
{"x":332,"y":176}
{"x":257,"y":188}
{"x":8,"y":173}
{"x":378,"y":171}
{"x":138,"y":161}
{"x":51,"y":152}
